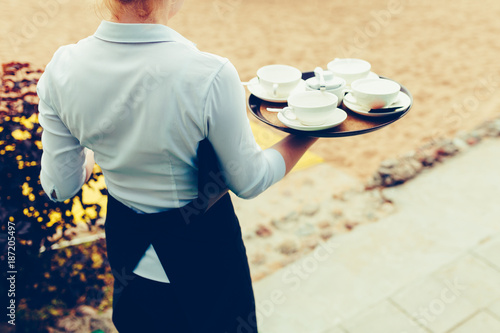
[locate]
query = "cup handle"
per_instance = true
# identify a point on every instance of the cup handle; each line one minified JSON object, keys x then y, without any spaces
{"x":350,"y":99}
{"x":288,"y":110}
{"x":275,"y":89}
{"x":346,"y":91}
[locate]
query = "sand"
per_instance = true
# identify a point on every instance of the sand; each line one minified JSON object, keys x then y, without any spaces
{"x":445,"y":52}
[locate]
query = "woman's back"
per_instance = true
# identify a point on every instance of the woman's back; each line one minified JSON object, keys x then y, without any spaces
{"x":140,"y":97}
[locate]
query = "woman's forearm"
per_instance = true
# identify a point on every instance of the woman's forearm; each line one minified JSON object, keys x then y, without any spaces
{"x":292,"y":148}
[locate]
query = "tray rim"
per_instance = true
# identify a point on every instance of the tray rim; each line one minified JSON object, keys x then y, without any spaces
{"x":254,"y":100}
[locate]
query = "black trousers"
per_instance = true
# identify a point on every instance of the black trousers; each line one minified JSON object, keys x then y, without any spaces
{"x":204,"y":258}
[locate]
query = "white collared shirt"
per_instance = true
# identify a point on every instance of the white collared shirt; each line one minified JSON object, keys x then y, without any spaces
{"x":142,"y":97}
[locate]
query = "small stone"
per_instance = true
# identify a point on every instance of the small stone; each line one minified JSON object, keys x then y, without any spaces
{"x":460,"y":143}
{"x":292,"y":216}
{"x":479,"y":133}
{"x":388,"y":181}
{"x":387,"y":208}
{"x":384,"y":171}
{"x":409,"y":155}
{"x":288,"y":247}
{"x":496,"y":124}
{"x":248,"y":237}
{"x":287,"y":222}
{"x":256,"y":276}
{"x":326,"y":234}
{"x":70,"y":233}
{"x":405,"y":172}
{"x":311,"y":243}
{"x":371,"y":216}
{"x":337,"y":213}
{"x":310,"y":209}
{"x":399,"y":172}
{"x":374,"y":182}
{"x":348,"y":195}
{"x":100,"y":223}
{"x":471,"y":141}
{"x":263,"y":231}
{"x":426,"y":155}
{"x":389,"y":163}
{"x":337,"y":196}
{"x":350,"y":225}
{"x":72,"y":324}
{"x":324,"y":224}
{"x":101,"y":324}
{"x":447,"y":148}
{"x":258,"y":259}
{"x":493,"y":128}
{"x":85,"y":311}
{"x":416,"y":165}
{"x":305,"y":230}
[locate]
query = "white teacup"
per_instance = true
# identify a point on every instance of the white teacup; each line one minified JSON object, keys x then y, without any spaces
{"x":310,"y":107}
{"x":350,"y":69}
{"x":279,"y":80}
{"x":374,"y":93}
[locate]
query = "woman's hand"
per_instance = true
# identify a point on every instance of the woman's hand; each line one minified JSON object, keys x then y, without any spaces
{"x":89,"y":167}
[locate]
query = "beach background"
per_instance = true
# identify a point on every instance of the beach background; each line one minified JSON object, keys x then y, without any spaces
{"x":443,"y":51}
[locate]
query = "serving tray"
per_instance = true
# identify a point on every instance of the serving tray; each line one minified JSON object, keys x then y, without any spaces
{"x":355,"y":124}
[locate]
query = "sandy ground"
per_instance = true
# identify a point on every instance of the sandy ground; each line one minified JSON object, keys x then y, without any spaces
{"x":445,"y":52}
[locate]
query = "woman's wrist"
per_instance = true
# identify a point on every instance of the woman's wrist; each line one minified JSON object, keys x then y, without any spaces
{"x":89,"y":164}
{"x":293,"y":147}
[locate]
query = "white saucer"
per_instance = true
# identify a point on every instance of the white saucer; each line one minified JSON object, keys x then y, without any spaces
{"x":255,"y":88}
{"x":336,"y":118}
{"x":403,"y":100}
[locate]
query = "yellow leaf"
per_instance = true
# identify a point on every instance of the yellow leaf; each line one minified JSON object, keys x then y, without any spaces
{"x":21,"y":135}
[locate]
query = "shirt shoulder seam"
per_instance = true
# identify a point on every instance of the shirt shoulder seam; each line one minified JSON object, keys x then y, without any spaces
{"x":210,"y":86}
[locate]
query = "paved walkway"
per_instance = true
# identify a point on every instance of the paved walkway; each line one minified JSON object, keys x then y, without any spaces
{"x":432,"y":266}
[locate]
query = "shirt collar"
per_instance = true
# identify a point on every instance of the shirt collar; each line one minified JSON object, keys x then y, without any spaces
{"x":138,"y":33}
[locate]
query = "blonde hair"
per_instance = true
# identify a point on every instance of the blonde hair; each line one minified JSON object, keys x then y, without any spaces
{"x":141,"y":8}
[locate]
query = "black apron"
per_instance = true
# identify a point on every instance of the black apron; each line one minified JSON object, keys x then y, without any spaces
{"x":202,"y":254}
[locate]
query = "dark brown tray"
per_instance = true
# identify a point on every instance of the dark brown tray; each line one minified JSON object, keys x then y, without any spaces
{"x":355,"y":124}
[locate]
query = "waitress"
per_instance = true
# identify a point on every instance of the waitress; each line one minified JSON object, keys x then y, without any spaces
{"x":145,"y":101}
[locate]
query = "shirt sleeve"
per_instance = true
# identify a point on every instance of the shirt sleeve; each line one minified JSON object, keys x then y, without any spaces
{"x":247,"y":169}
{"x":63,"y":159}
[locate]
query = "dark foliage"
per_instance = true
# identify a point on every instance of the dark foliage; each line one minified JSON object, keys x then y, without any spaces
{"x":68,"y":277}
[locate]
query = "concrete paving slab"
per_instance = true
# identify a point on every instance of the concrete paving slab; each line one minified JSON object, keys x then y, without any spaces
{"x":490,"y":251}
{"x":335,"y":330}
{"x":472,"y":279}
{"x":434,"y":304}
{"x":483,"y":322}
{"x":441,"y":215}
{"x":382,"y":318}
{"x":494,"y":308}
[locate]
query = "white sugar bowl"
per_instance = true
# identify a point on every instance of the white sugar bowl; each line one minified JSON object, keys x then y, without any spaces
{"x":334,"y":84}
